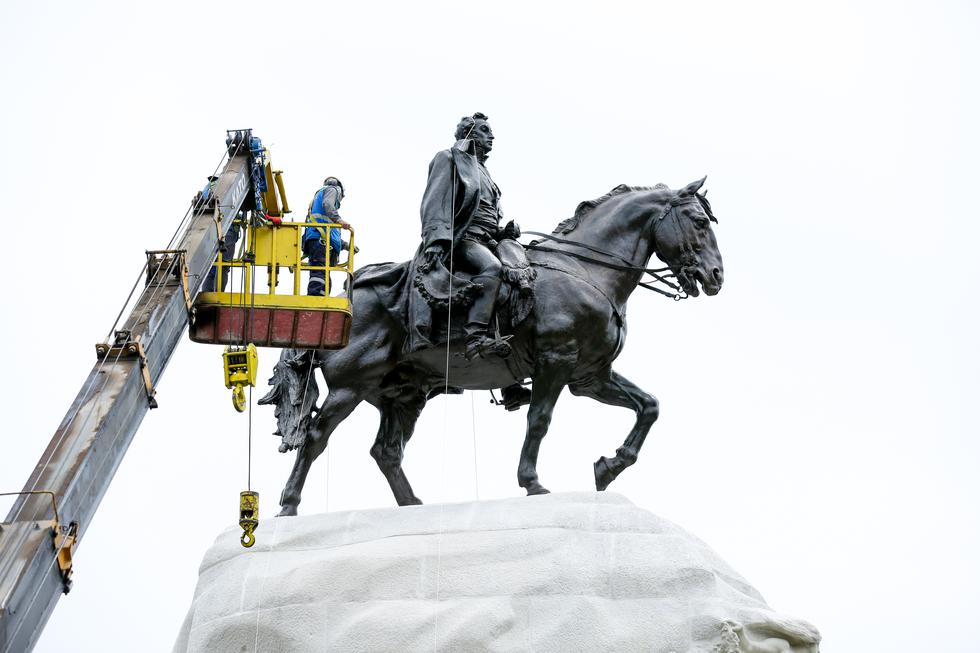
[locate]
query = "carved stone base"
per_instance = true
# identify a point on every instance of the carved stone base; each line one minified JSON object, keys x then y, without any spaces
{"x":555,"y":573}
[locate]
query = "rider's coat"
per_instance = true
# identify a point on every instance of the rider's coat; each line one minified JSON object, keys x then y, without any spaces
{"x":454,"y":174}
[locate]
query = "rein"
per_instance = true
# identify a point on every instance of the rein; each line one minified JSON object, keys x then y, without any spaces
{"x":626,"y":265}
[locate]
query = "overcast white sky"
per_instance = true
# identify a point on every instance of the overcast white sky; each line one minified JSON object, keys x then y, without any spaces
{"x":818,"y":425}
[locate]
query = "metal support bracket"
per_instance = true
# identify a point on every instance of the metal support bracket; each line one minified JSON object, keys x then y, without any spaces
{"x":216,"y":217}
{"x":174,"y":261}
{"x":63,"y":537}
{"x":126,"y":349}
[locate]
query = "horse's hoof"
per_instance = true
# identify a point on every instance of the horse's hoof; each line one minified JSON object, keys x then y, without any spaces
{"x":536,"y":488}
{"x":604,"y":474}
{"x":414,"y":501}
{"x":288,"y":511}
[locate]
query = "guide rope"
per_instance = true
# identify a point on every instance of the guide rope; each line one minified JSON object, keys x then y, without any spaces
{"x":445,"y":428}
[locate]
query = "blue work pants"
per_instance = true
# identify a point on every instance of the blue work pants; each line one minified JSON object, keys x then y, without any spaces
{"x":316,"y":251}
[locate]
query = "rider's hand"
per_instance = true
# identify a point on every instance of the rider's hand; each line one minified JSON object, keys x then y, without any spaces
{"x":432,"y":254}
{"x":273,"y":219}
{"x":343,"y":223}
{"x":512,"y":230}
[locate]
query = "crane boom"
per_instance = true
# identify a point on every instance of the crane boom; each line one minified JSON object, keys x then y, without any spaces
{"x":81,"y":459}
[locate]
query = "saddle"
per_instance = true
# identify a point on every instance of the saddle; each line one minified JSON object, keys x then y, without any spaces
{"x":514,"y":301}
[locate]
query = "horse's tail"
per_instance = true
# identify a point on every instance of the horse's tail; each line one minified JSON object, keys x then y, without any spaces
{"x":294,"y":393}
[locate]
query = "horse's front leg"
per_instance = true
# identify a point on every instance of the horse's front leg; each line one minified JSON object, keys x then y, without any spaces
{"x":550,"y":377}
{"x":616,"y":390}
{"x":335,"y":409}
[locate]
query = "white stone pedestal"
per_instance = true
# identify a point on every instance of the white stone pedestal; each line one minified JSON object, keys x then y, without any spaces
{"x":559,"y":573}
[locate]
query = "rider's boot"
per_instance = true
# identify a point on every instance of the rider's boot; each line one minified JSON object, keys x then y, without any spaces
{"x":479,"y":341}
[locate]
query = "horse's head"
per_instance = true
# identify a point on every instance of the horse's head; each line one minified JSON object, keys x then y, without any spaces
{"x":635,"y":222}
{"x":683,"y":239}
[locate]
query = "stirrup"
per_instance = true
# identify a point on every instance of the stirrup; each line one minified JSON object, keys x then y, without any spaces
{"x":484,"y":346}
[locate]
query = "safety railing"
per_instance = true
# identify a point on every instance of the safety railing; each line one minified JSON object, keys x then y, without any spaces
{"x":279,"y":247}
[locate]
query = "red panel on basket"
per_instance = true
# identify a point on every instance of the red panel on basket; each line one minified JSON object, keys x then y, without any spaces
{"x":222,"y":325}
{"x":308,"y":327}
{"x":257,"y":330}
{"x":229,"y":325}
{"x":334,"y":334}
{"x":282,"y":329}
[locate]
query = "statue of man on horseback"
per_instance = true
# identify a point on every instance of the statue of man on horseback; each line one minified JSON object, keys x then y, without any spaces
{"x":559,"y":320}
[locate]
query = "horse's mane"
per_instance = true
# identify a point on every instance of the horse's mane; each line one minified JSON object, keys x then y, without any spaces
{"x":585,"y":208}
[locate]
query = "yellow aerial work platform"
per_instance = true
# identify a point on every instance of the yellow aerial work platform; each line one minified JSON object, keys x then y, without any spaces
{"x":272,"y":319}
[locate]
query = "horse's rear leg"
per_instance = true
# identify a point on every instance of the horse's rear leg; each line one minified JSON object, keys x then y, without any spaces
{"x":616,"y":390}
{"x":398,"y":418}
{"x":336,"y":408}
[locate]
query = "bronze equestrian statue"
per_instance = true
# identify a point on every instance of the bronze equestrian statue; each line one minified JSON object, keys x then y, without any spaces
{"x":420,"y":327}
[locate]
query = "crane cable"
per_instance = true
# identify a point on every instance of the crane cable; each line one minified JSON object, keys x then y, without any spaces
{"x":248,"y":503}
{"x":445,"y":430}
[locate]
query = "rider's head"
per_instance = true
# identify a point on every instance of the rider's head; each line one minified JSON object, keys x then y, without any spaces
{"x":333,"y":181}
{"x":476,"y":129}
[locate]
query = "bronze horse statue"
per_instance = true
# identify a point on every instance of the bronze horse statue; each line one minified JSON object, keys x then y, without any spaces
{"x":571,"y":337}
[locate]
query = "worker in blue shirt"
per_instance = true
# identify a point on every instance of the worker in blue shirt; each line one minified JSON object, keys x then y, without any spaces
{"x":324,"y":209}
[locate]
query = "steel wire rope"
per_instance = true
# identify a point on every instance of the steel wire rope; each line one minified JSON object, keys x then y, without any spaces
{"x":445,"y":417}
{"x":241,"y":304}
{"x":249,"y":487}
{"x":476,"y":467}
{"x":445,"y":421}
{"x":87,"y":392}
{"x":306,"y":386}
{"x":251,"y":325}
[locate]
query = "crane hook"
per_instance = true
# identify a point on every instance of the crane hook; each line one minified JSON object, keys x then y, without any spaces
{"x":248,"y":517}
{"x":238,"y":398}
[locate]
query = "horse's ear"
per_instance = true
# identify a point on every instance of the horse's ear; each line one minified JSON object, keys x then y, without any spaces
{"x":693,"y":187}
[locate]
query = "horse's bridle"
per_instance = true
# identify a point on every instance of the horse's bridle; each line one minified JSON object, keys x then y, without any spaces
{"x":662,"y":275}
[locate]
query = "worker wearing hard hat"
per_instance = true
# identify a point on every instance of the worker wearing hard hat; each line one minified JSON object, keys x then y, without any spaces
{"x":324,"y":209}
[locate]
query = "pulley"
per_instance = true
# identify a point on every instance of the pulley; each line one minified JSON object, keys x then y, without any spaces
{"x":241,"y":369}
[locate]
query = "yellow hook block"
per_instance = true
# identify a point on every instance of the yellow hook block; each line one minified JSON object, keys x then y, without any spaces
{"x":241,"y":369}
{"x":248,"y":517}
